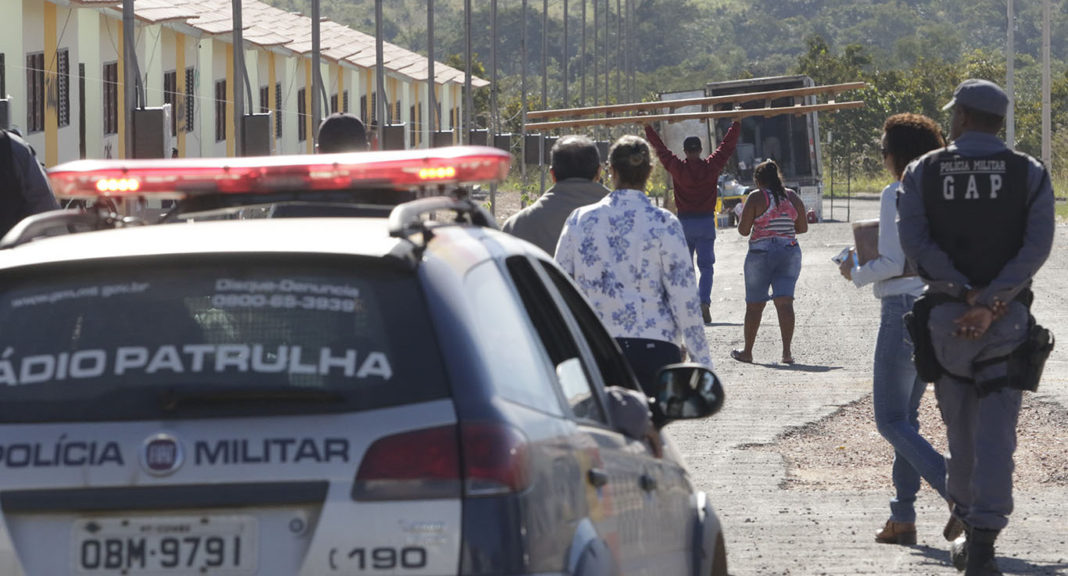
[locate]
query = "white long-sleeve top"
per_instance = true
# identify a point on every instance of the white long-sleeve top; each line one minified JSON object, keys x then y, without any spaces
{"x":630,"y":260}
{"x":884,"y":271}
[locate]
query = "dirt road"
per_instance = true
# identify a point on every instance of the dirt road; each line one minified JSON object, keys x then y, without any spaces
{"x":776,"y":525}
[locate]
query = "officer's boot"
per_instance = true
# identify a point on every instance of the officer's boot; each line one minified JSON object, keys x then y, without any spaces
{"x":981,"y":560}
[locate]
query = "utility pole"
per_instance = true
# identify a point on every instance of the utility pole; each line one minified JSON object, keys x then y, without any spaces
{"x":582,"y":62}
{"x":129,"y":73}
{"x":493,"y":125}
{"x":380,"y":76}
{"x":567,"y":59}
{"x":431,"y":95}
{"x":619,"y":53}
{"x":523,"y":96}
{"x":239,"y":75}
{"x":545,"y":54}
{"x":317,"y":82}
{"x":1010,"y":74}
{"x":468,"y":100}
{"x":596,"y":37}
{"x":1047,"y":156}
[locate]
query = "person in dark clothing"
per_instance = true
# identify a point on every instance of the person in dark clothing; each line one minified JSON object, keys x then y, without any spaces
{"x":24,"y":187}
{"x":695,"y":182}
{"x":977,"y":218}
{"x":575,"y":165}
{"x":340,"y":132}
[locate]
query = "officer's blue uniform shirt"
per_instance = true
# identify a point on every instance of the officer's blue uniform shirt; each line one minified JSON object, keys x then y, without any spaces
{"x":956,"y":355}
{"x":919,"y":246}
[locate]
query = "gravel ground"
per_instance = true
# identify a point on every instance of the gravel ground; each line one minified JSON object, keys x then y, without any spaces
{"x":793,"y":463}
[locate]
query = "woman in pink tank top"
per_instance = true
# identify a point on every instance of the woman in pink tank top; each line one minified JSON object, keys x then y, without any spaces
{"x":773,"y":216}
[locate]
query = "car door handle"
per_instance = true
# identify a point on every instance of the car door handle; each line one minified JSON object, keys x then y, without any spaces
{"x":597,"y":477}
{"x":647,"y":482}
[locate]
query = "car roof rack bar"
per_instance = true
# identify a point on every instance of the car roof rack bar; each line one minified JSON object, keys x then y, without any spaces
{"x":406,"y":218}
{"x":41,"y":224}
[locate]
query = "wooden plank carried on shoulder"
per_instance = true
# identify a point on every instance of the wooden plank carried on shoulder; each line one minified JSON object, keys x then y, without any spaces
{"x":734,"y":114}
{"x":610,"y":109}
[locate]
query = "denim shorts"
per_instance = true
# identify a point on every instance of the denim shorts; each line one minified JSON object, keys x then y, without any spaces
{"x":772,"y":264}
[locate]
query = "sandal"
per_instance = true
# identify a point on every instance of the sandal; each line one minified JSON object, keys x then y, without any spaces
{"x":740,"y":356}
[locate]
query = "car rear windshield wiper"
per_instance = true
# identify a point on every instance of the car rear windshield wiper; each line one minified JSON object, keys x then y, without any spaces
{"x":172,"y":399}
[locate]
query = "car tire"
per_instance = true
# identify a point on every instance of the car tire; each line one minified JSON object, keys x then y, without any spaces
{"x":719,"y":561}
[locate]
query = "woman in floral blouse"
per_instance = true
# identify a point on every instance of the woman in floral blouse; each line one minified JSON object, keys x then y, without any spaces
{"x":630,"y":259}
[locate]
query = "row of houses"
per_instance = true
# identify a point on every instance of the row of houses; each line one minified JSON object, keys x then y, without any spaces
{"x":61,"y":72}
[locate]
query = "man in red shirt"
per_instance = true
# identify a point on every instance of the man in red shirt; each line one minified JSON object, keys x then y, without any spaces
{"x":695,"y":181}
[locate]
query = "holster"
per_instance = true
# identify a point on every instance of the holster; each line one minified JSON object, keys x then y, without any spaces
{"x":1024,"y":364}
{"x":923,"y":354}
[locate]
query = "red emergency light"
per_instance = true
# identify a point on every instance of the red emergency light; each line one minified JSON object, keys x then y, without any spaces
{"x":177,"y":178}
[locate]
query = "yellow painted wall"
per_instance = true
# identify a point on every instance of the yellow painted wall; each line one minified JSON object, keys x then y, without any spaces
{"x":52,"y":86}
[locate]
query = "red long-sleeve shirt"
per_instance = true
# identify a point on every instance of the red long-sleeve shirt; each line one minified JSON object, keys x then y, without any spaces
{"x":695,"y":183}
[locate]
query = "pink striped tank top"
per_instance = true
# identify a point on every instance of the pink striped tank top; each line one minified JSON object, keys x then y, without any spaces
{"x":777,"y":221}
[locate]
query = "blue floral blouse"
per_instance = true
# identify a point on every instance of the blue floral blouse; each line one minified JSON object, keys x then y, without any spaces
{"x":630,"y":260}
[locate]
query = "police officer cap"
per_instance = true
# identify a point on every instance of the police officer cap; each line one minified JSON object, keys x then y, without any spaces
{"x":982,"y":95}
{"x":691,"y":143}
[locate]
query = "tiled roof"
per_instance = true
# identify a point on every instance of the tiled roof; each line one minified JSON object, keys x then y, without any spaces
{"x":267,"y":26}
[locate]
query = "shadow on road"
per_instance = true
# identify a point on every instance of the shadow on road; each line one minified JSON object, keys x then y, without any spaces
{"x":1007,"y":565}
{"x":802,"y":367}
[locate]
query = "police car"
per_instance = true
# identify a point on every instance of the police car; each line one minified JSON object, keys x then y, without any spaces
{"x":249,"y":386}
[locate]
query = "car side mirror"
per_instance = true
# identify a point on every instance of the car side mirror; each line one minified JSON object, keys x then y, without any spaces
{"x":688,"y":391}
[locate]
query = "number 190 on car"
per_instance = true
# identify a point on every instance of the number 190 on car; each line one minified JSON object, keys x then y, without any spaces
{"x":178,"y":545}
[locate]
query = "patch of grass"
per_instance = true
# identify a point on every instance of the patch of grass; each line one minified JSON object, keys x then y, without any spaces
{"x":1061,"y":208}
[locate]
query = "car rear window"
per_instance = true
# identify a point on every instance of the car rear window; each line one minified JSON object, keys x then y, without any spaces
{"x":214,"y":337}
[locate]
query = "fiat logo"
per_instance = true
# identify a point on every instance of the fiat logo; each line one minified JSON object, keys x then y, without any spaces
{"x":161,"y":455}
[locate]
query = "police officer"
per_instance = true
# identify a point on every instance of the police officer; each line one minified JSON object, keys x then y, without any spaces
{"x":977,"y":219}
{"x":24,"y":187}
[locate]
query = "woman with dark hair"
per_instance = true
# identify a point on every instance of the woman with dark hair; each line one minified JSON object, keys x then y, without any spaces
{"x":896,"y":390}
{"x":630,"y":260}
{"x":772,"y":217}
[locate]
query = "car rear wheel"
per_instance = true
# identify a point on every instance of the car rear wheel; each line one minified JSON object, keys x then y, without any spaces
{"x":719,"y":561}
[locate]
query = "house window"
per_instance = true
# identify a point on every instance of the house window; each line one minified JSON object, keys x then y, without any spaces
{"x":265,"y":99}
{"x":111,"y":98}
{"x":345,"y":101}
{"x":278,"y":110}
{"x":170,"y":96}
{"x":190,"y":90}
{"x":220,"y":110}
{"x":333,"y":104}
{"x":302,"y":118}
{"x":63,"y":86}
{"x":3,"y":76}
{"x":35,"y":92}
{"x":363,"y":107}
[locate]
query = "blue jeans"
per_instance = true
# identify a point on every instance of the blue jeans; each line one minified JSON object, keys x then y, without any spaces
{"x":700,"y":231}
{"x":896,"y":396}
{"x":771,"y":264}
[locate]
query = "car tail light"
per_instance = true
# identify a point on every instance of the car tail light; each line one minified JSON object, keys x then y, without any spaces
{"x":495,"y":459}
{"x":419,"y":465}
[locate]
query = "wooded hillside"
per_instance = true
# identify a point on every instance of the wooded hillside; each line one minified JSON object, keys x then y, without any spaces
{"x":912,"y":52}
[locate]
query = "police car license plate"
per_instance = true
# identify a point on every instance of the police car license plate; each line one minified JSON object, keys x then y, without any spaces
{"x":165,"y":545}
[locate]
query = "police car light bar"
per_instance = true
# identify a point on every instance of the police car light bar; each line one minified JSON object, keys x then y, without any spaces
{"x":177,"y":178}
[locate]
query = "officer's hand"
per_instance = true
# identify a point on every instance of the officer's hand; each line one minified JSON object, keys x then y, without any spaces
{"x":973,"y":324}
{"x":999,"y":308}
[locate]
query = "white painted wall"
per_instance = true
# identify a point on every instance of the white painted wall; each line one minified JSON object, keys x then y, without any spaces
{"x":67,"y":35}
{"x":89,"y":47}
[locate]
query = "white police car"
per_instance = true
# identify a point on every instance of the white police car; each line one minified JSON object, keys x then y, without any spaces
{"x":311,"y":395}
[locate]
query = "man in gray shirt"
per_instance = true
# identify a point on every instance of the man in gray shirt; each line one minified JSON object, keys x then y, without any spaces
{"x":977,"y":218}
{"x":575,"y":165}
{"x":24,"y":187}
